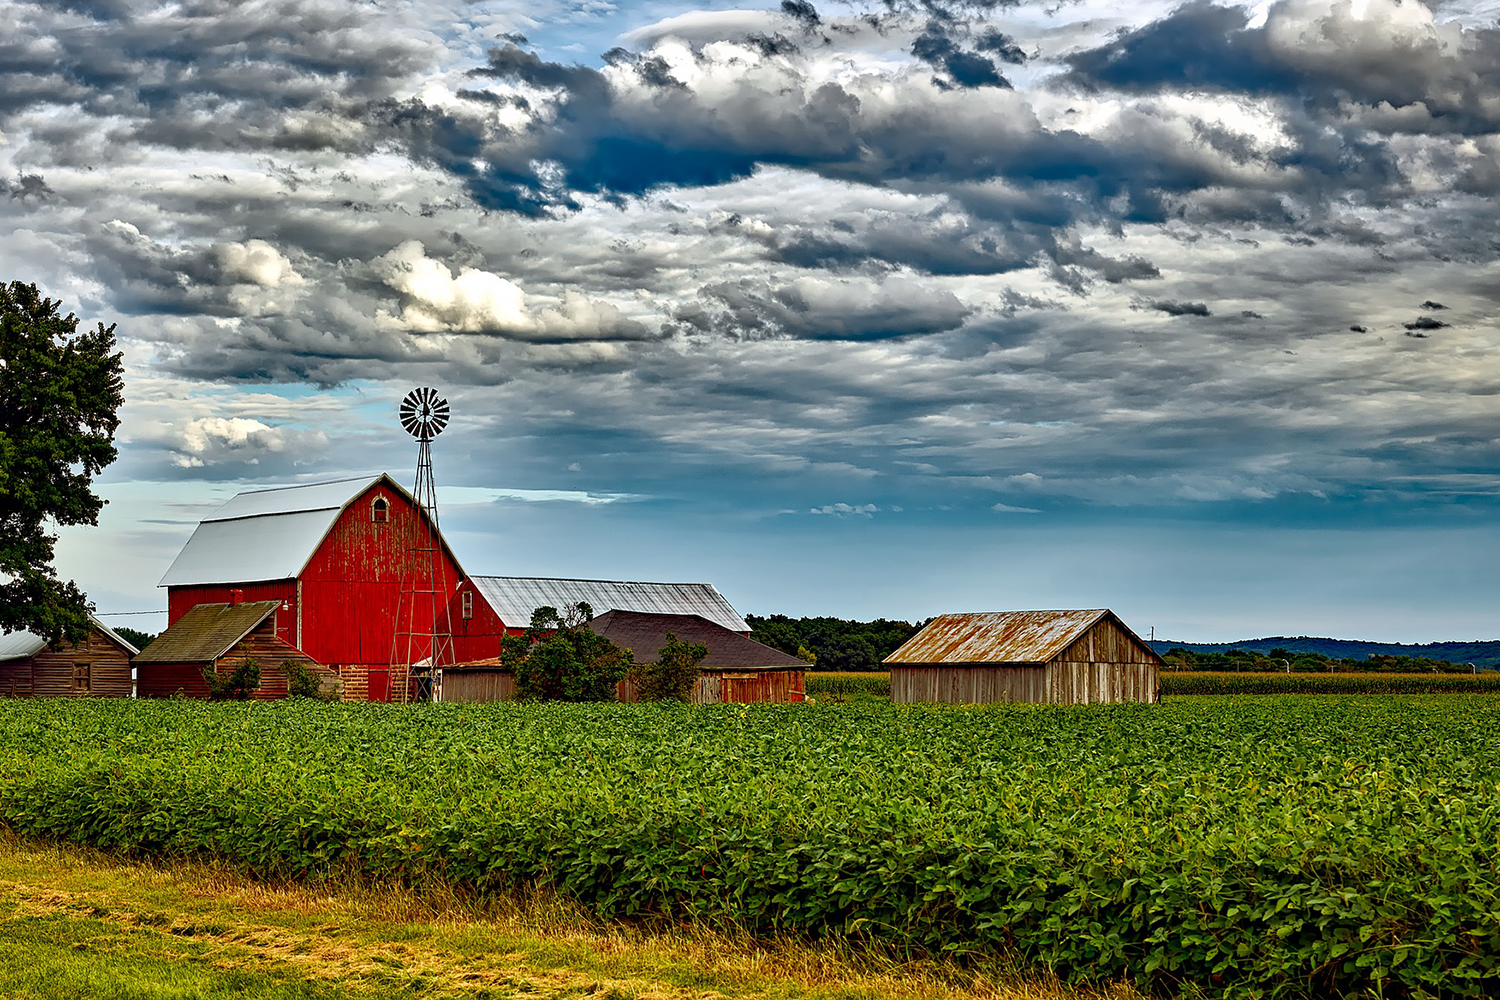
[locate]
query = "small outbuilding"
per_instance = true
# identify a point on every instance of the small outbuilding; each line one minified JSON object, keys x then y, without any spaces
{"x":1040,"y":657}
{"x":219,"y":638}
{"x":98,"y":667}
{"x":737,"y":669}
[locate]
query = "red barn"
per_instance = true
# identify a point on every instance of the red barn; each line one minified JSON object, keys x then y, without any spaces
{"x":341,"y":558}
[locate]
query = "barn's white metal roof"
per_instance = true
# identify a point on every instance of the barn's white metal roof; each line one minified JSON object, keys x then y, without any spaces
{"x":23,"y":645}
{"x":20,"y":645}
{"x":333,"y":495}
{"x":265,"y":534}
{"x":514,"y":598}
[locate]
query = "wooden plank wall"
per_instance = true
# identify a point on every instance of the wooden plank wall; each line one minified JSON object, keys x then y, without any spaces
{"x":745,"y":687}
{"x":15,"y":679}
{"x":1057,"y":684}
{"x":53,"y":675}
{"x":478,"y":685}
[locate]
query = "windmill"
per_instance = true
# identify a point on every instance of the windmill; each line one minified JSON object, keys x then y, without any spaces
{"x":423,"y":633}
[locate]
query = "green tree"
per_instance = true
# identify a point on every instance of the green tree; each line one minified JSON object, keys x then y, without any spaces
{"x":59,"y":391}
{"x":559,"y":658}
{"x":672,"y":676}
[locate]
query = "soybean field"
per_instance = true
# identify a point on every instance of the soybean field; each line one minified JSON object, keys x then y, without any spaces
{"x":1238,"y":846}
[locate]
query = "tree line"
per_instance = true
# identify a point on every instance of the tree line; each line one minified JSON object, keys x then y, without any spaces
{"x":834,"y":643}
{"x":1284,"y":661}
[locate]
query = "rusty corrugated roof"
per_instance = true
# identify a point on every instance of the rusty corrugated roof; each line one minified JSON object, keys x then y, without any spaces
{"x":206,"y":632}
{"x":996,"y":637}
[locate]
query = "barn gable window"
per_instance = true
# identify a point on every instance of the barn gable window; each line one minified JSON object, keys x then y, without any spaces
{"x":380,"y":510}
{"x":467,"y":610}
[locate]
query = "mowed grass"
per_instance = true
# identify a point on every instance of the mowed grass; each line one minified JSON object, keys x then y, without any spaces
{"x":78,"y":923}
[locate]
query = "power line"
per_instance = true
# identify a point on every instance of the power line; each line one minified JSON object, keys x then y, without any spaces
{"x":116,"y":614}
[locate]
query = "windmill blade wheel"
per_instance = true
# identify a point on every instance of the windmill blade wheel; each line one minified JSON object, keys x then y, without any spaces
{"x":424,"y":413}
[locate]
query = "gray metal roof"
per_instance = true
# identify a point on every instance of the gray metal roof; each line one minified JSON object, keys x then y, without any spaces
{"x":514,"y":598}
{"x":266,"y":534}
{"x":996,"y":637}
{"x":24,"y":645}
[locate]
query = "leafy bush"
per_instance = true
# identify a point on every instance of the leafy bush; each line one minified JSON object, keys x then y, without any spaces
{"x":1292,"y":847}
{"x":300,"y":681}
{"x":238,"y":685}
{"x":672,"y":676}
{"x":559,"y":658}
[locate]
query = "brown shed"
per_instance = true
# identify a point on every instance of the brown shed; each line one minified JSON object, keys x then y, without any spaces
{"x":221,"y":637}
{"x":736,"y":670}
{"x":1042,"y":657}
{"x":99,"y":666}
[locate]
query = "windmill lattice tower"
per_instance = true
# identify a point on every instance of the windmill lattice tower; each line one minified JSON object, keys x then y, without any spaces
{"x":423,"y":632}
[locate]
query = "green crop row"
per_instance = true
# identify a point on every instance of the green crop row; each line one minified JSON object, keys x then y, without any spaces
{"x":1247,"y":847}
{"x":1202,"y":682}
{"x":848,"y":683}
{"x":1205,"y":682}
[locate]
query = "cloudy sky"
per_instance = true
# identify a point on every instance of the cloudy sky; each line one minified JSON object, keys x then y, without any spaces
{"x":889,"y":309}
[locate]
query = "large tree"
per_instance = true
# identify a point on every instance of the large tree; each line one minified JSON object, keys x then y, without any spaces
{"x":59,"y":391}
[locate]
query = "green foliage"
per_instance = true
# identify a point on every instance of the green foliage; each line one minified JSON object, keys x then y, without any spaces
{"x":833,"y":643}
{"x":1284,"y":661}
{"x":672,"y":676}
{"x":845,"y":684}
{"x":301,"y":682}
{"x":137,"y":638}
{"x":559,"y":658}
{"x":1485,"y":654}
{"x":1288,"y":847}
{"x":59,"y":390}
{"x":1203,"y":682}
{"x":237,"y":685}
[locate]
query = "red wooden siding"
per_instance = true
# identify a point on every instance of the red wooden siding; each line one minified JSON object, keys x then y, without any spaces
{"x":477,"y":637}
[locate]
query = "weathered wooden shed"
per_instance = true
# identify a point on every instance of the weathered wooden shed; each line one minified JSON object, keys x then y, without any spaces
{"x":338,"y":556}
{"x":487,"y":608}
{"x":220,"y":637}
{"x":737,"y":669}
{"x":1043,"y":657}
{"x":98,"y":667}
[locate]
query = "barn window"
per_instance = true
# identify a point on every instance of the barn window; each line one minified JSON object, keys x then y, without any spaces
{"x":468,"y":604}
{"x":81,"y":677}
{"x":380,"y":510}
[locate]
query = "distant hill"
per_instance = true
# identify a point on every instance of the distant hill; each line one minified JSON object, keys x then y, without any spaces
{"x":1484,"y":654}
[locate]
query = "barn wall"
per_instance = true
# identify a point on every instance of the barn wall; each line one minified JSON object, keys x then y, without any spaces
{"x":163,"y":680}
{"x":1078,"y":683}
{"x":1064,"y":683}
{"x":479,"y":685}
{"x":1107,"y":642}
{"x":476,"y":638}
{"x":351,"y":589}
{"x":15,"y":679}
{"x":53,"y":675}
{"x":744,"y":687}
{"x":181,"y":600}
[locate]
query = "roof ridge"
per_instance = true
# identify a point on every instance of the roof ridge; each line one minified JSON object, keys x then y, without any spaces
{"x":303,"y":486}
{"x":590,"y":579}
